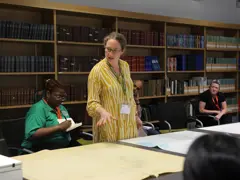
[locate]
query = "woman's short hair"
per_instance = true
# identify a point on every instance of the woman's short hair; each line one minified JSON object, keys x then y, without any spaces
{"x":118,"y":37}
{"x":213,"y":157}
{"x":215,"y":82}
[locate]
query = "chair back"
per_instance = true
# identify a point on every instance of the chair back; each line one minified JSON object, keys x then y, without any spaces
{"x":174,"y":113}
{"x":13,"y":131}
{"x":195,"y":106}
{"x":3,"y":147}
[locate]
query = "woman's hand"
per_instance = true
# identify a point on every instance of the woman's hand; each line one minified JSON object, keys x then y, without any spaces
{"x":104,"y":117}
{"x":139,"y":122}
{"x":64,"y":125}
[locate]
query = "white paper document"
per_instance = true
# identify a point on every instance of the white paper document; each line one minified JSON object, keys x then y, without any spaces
{"x":178,"y":142}
{"x":73,"y":125}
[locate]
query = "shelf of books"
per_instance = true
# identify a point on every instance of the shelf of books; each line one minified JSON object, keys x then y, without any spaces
{"x":174,"y":60}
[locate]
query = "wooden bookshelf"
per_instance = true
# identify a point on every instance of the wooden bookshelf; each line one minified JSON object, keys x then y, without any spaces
{"x":145,"y":46}
{"x":223,"y":49}
{"x":75,"y":102}
{"x":60,"y":14}
{"x":189,"y":49}
{"x":15,"y":107}
{"x":197,"y":71}
{"x":25,"y":40}
{"x":26,"y":73}
{"x":80,"y":43}
{"x":151,"y":97}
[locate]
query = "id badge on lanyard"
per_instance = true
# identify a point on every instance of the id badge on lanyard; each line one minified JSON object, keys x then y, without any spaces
{"x":216,"y":103}
{"x":125,"y":107}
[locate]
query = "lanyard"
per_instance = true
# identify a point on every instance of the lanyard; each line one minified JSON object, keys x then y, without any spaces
{"x":122,"y":83}
{"x":57,"y":110}
{"x":216,"y":103}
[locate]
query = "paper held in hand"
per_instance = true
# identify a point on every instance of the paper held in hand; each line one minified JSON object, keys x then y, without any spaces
{"x":73,"y":125}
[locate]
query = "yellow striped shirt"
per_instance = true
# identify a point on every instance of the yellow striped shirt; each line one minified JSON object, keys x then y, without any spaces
{"x":104,"y":90}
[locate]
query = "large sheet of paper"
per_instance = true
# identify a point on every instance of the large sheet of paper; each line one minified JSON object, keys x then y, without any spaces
{"x":178,"y":142}
{"x":233,"y":128}
{"x":97,"y":162}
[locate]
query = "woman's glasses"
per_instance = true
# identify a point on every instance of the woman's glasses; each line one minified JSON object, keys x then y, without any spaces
{"x":114,"y":51}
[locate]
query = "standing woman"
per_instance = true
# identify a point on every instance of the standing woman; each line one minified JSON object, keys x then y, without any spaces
{"x":110,"y":94}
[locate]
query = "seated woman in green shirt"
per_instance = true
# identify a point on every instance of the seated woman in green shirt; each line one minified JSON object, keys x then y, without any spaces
{"x":42,"y":128}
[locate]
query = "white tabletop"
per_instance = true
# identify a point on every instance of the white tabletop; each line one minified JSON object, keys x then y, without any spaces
{"x":178,"y":142}
{"x":233,"y":128}
{"x":7,"y":164}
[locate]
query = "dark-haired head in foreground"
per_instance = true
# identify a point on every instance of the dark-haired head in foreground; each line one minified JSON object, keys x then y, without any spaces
{"x":213,"y":157}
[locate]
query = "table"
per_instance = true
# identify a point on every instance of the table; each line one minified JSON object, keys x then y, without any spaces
{"x":232,"y":129}
{"x":98,"y":161}
{"x":176,"y":142}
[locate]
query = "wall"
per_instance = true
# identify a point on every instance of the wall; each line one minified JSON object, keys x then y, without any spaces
{"x":212,"y":10}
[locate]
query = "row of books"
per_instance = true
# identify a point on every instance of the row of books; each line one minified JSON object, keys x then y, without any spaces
{"x":82,"y":33}
{"x":77,"y":63}
{"x":215,"y":64}
{"x":26,"y":96}
{"x":142,"y":63}
{"x":16,"y":96}
{"x":154,"y":87}
{"x":136,"y":37}
{"x":23,"y":30}
{"x":197,"y":85}
{"x":76,"y":92}
{"x":232,"y":104}
{"x":136,"y":63}
{"x":185,"y":63}
{"x":185,"y":40}
{"x":223,"y":42}
{"x":26,"y":64}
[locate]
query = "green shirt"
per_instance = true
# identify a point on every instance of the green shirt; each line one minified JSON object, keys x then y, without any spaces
{"x":41,"y":115}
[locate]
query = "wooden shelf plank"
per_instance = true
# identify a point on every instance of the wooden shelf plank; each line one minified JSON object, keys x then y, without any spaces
{"x":80,"y":43}
{"x":151,"y":97}
{"x":232,"y":91}
{"x":75,"y":102}
{"x":25,"y":73}
{"x":133,"y":72}
{"x":183,"y":48}
{"x":29,"y":105}
{"x":73,"y":73}
{"x":223,"y":71}
{"x":185,"y":72}
{"x":145,"y":46}
{"x":101,"y":44}
{"x":222,"y":49}
{"x":16,"y":106}
{"x":147,"y":72}
{"x":25,"y":40}
{"x":181,"y":95}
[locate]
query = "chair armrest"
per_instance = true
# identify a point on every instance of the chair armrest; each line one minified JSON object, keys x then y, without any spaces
{"x":199,"y":116}
{"x":148,"y":123}
{"x":87,"y":134}
{"x":200,"y":122}
{"x":21,"y":149}
{"x":205,"y":115}
{"x":169,"y":125}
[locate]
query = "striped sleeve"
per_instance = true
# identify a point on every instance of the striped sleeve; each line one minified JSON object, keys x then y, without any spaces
{"x":94,"y":91}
